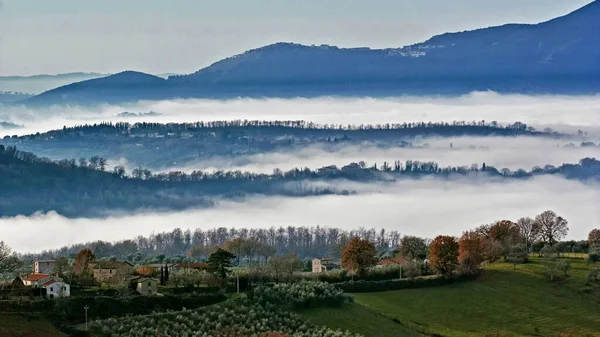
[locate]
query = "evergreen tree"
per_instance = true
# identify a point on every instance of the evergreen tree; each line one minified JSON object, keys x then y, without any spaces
{"x":162,"y":276}
{"x":219,"y":263}
{"x":166,"y":277}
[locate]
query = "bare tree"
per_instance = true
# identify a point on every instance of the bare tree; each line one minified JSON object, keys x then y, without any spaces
{"x":552,"y":227}
{"x":9,"y":262}
{"x":529,"y":230}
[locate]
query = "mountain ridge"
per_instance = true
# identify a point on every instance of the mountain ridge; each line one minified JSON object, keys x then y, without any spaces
{"x":556,"y":56}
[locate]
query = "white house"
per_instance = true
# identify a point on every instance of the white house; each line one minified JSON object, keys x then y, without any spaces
{"x":43,"y":266}
{"x":54,"y":285}
{"x":57,"y":288}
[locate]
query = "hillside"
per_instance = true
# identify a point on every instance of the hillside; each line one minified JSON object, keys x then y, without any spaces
{"x":557,"y":56}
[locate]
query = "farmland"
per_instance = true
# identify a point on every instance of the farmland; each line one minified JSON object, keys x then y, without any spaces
{"x":517,"y":302}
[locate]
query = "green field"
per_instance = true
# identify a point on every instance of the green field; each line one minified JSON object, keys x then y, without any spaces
{"x":358,"y":319}
{"x":503,"y":301}
{"x":26,"y":325}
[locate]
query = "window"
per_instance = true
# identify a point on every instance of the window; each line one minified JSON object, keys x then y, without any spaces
{"x":51,"y":288}
{"x":149,"y":284}
{"x":110,"y":271}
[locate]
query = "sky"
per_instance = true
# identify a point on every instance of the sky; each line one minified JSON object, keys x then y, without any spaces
{"x":49,"y":37}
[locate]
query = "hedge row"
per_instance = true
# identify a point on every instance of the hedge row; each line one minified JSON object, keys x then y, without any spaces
{"x":71,"y":309}
{"x":377,"y":286}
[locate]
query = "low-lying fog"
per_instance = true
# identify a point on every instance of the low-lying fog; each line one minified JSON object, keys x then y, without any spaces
{"x":501,"y":152}
{"x":426,"y":207}
{"x":565,"y":113}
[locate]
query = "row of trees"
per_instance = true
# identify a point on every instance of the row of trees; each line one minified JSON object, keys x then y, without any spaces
{"x":124,"y":127}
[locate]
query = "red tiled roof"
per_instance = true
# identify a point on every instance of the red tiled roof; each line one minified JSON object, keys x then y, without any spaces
{"x":393,"y":260}
{"x":48,"y":283}
{"x":35,"y":277}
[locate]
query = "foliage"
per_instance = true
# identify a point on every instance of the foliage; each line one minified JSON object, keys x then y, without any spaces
{"x":242,"y":317}
{"x":443,"y":254}
{"x":387,"y":285}
{"x":412,"y":247}
{"x":105,"y":307}
{"x":9,"y":262}
{"x":358,"y":256}
{"x":219,"y":263}
{"x":304,"y":294}
{"x":82,"y":261}
{"x":528,"y":230}
{"x":594,"y":237}
{"x":517,"y":255}
{"x":285,"y":266}
{"x":471,"y":251}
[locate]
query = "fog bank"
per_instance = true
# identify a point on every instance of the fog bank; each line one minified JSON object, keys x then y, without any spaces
{"x":425,"y":207}
{"x":501,"y":152}
{"x":561,"y":112}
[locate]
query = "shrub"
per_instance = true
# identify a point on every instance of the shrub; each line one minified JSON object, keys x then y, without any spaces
{"x":377,"y":286}
{"x":301,"y":295}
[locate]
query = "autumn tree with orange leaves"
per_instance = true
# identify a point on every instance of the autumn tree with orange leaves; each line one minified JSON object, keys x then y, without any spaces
{"x":443,"y":254}
{"x":358,"y":256}
{"x":471,"y":251}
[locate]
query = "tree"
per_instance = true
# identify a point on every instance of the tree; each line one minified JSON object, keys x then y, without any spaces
{"x":443,"y":254}
{"x":358,"y":256}
{"x":506,"y":233}
{"x":286,"y":264}
{"x":162,"y":276}
{"x":9,"y":262}
{"x":517,"y":255}
{"x":529,"y":231}
{"x":166,"y":276}
{"x":552,"y":227}
{"x":594,"y":237}
{"x":412,"y":247}
{"x":219,"y":263}
{"x":62,"y":267}
{"x":82,"y":262}
{"x":471,"y":249}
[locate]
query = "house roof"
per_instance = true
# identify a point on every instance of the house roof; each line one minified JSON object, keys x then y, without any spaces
{"x":35,"y":277}
{"x":110,"y":264}
{"x":393,"y":260}
{"x":190,"y":265}
{"x":140,"y":279}
{"x":48,"y":283}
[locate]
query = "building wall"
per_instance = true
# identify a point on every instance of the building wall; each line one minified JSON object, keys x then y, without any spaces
{"x":58,"y":289}
{"x":148,"y":287}
{"x":316,"y":266}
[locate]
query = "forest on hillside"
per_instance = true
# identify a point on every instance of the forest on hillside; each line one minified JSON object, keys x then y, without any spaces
{"x":158,"y":146}
{"x":89,"y":188}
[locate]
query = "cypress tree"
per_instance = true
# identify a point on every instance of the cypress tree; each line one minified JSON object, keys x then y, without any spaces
{"x":166,"y":274}
{"x":162,"y":276}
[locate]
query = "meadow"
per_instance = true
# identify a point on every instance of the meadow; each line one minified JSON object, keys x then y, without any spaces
{"x":27,"y":325}
{"x":503,"y":302}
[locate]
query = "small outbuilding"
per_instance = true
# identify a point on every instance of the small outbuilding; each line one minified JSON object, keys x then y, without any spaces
{"x":146,"y":286}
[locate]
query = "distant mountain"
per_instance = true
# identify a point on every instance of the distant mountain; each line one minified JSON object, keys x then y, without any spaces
{"x":36,"y":84}
{"x":557,"y":56}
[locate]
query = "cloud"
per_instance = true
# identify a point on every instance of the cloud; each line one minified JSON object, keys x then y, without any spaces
{"x":561,"y":112}
{"x":425,"y":207}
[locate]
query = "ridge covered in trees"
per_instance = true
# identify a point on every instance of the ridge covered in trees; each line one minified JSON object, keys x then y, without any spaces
{"x":73,"y":188}
{"x":157,"y":145}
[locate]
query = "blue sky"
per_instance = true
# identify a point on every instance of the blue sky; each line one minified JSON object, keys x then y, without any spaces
{"x":182,"y":36}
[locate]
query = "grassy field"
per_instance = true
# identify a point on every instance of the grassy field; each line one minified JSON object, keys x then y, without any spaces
{"x":513,"y":302}
{"x":358,"y":319}
{"x":24,"y":325}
